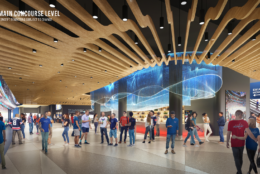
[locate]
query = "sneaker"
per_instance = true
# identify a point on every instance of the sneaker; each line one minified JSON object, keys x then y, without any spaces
{"x":133,"y":144}
{"x":173,"y":151}
{"x":110,"y":144}
{"x":80,"y":143}
{"x":153,"y":140}
{"x":149,"y":142}
{"x":13,"y":143}
{"x":125,"y":142}
{"x":166,"y":152}
{"x":86,"y":142}
{"x":101,"y":143}
{"x":119,"y":142}
{"x":20,"y":143}
{"x":143,"y":141}
{"x":201,"y":143}
{"x":79,"y":146}
{"x":3,"y":168}
{"x":116,"y":145}
{"x":207,"y":140}
{"x":46,"y":152}
{"x":130,"y":145}
{"x":192,"y":144}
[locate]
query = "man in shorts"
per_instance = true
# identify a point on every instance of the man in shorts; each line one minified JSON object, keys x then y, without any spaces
{"x":85,"y":126}
{"x":76,"y":129}
{"x":113,"y":129}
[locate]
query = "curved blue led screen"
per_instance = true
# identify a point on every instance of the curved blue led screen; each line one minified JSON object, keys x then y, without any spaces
{"x":149,"y":88}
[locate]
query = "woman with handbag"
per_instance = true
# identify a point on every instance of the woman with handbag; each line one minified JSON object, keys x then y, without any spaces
{"x":148,"y":127}
{"x":189,"y":126}
{"x":251,"y":145}
{"x":65,"y":133}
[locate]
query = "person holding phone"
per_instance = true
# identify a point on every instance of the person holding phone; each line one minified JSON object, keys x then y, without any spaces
{"x":172,"y":125}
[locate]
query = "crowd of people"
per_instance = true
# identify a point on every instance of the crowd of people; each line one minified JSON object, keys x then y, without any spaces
{"x":239,"y":128}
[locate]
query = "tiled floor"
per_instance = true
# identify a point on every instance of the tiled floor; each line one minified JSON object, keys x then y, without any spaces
{"x":100,"y":158}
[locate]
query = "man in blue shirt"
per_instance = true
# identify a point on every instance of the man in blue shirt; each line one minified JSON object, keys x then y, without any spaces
{"x":2,"y":143}
{"x":172,"y":125}
{"x":45,"y":127}
{"x":113,"y":129}
{"x":76,"y":129}
{"x":221,"y":124}
{"x":195,"y":133}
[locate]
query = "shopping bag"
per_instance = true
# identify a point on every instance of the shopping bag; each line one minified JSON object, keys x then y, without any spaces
{"x":258,"y":160}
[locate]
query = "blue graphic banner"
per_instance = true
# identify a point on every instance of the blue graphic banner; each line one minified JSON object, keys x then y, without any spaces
{"x":255,"y":90}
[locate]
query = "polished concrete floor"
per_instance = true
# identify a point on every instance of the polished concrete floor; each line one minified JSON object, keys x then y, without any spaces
{"x":100,"y":158}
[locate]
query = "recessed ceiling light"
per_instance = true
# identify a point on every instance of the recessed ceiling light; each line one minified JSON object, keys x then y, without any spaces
{"x":83,"y":84}
{"x":183,"y":2}
{"x":20,"y":77}
{"x":117,"y":76}
{"x":27,"y":89}
{"x":60,"y":80}
{"x":14,"y":85}
{"x":9,"y":68}
{"x":61,"y":64}
{"x":75,"y":76}
{"x":34,"y":51}
{"x":97,"y":82}
{"x":233,"y":60}
{"x":91,"y":77}
{"x":40,"y":65}
{"x":84,"y":50}
{"x":52,"y":3}
{"x":99,"y":49}
{"x":254,"y":71}
{"x":105,"y":70}
{"x":33,"y":82}
{"x":58,"y":72}
{"x":66,"y":86}
{"x":72,"y":60}
{"x":55,"y":40}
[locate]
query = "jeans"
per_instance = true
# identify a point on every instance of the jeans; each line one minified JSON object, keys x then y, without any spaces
{"x":206,"y":129}
{"x":45,"y":136}
{"x":238,"y":157}
{"x":66,"y":133}
{"x":19,"y":136}
{"x":190,"y":134}
{"x":30,"y":127}
{"x":22,"y":129}
{"x":251,"y":157}
{"x":132,"y":136}
{"x":37,"y":126}
{"x":96,"y":126}
{"x":148,"y":129}
{"x":157,"y":130}
{"x":196,"y":134}
{"x":121,"y":133}
{"x":2,"y":153}
{"x":80,"y":130}
{"x":103,"y":131}
{"x":152,"y":133}
{"x":220,"y":128}
{"x":169,"y":137}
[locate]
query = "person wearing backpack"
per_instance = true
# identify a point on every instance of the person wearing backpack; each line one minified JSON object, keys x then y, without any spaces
{"x":189,"y":126}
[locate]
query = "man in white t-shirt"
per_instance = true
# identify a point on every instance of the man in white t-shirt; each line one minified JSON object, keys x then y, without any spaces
{"x":103,"y":127}
{"x":85,"y":126}
{"x":206,"y":126}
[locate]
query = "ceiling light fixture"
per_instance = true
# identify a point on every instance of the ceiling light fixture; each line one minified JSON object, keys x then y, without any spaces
{"x":136,"y":39}
{"x":125,"y":12}
{"x":230,"y":28}
{"x":105,"y":70}
{"x":9,"y":68}
{"x":233,"y":60}
{"x":55,"y":40}
{"x":161,"y":18}
{"x":83,"y":84}
{"x":254,"y":71}
{"x":60,"y":80}
{"x":72,"y":60}
{"x":99,"y":49}
{"x":20,"y":77}
{"x":131,"y":66}
{"x":206,"y":36}
{"x":34,"y":51}
{"x":58,"y":72}
{"x":169,"y":48}
{"x":202,"y":14}
{"x":94,"y":11}
{"x":254,"y":37}
{"x":61,"y":64}
{"x":91,"y":77}
{"x":33,"y":82}
{"x":97,"y":82}
{"x":40,"y":65}
{"x":179,"y":38}
{"x":52,"y":3}
{"x":84,"y":50}
{"x":183,"y":2}
{"x":208,"y":55}
{"x":21,"y":7}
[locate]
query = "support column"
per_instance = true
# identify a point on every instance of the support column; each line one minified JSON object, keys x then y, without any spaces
{"x":175,"y":101}
{"x":122,"y":103}
{"x":97,"y":109}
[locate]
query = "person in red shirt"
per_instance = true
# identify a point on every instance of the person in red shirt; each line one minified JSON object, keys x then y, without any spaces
{"x":124,"y":120}
{"x":238,"y":127}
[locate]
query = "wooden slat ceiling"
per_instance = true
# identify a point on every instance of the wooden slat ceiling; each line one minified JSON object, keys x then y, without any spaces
{"x":83,"y":72}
